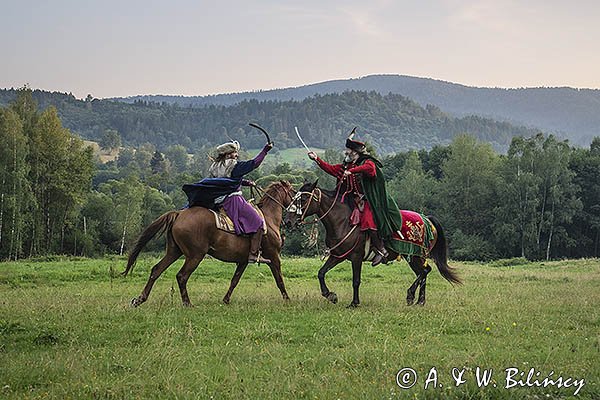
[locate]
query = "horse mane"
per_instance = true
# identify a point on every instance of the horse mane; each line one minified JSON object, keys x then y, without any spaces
{"x":272,"y":187}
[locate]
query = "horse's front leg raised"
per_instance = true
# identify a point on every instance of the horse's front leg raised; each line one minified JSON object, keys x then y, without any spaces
{"x":329,"y":264}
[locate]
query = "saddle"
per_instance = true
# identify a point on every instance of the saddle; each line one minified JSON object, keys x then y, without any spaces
{"x":417,"y":236}
{"x":225,"y":223}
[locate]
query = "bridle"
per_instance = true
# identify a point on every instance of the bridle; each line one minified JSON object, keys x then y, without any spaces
{"x":296,"y":204}
{"x":316,"y":195}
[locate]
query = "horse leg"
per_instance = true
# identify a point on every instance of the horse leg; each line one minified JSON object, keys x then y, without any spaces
{"x":329,"y":264}
{"x":275,"y":266}
{"x":356,"y":274}
{"x":416,"y":266}
{"x":426,"y":270}
{"x":239,"y":271}
{"x":183,"y":275}
{"x":173,"y":253}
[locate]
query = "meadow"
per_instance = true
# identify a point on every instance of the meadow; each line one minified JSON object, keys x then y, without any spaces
{"x":67,"y":332}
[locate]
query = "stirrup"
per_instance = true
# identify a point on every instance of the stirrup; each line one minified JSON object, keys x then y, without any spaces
{"x":380,"y":257}
{"x":258,"y":259}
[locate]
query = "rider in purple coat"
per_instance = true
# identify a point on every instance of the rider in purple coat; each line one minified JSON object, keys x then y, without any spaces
{"x":245,"y":218}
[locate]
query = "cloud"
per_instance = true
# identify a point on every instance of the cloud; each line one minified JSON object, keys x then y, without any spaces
{"x":361,"y":18}
{"x":487,"y":15}
{"x":365,"y":19}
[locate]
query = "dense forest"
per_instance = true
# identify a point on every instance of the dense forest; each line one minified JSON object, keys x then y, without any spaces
{"x":572,"y":113}
{"x":392,"y":123}
{"x":540,"y":200}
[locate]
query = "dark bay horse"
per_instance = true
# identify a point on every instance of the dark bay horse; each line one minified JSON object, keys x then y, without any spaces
{"x":346,"y":242}
{"x":193,"y":233}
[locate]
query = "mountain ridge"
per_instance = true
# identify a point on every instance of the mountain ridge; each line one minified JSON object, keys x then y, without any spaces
{"x":573,"y":113}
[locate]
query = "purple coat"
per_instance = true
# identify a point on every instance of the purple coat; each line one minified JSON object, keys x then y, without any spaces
{"x":245,"y":218}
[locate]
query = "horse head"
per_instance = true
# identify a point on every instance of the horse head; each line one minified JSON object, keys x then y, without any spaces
{"x":281,"y":193}
{"x":306,"y":202}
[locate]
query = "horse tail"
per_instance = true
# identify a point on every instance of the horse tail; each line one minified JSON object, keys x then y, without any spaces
{"x":162,"y":224}
{"x":439,"y":253}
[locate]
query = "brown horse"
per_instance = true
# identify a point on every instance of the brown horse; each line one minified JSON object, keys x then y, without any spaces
{"x":193,"y":233}
{"x":346,"y":242}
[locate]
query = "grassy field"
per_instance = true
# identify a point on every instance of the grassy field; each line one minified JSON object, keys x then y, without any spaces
{"x":66,"y":331}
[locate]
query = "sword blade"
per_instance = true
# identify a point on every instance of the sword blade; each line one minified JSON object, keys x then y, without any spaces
{"x":302,"y":141}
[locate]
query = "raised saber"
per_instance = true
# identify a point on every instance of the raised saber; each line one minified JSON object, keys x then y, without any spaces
{"x":262,"y":130}
{"x":302,"y":141}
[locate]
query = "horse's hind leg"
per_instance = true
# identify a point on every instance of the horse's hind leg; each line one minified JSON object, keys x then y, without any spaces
{"x":417,"y":266}
{"x":426,"y":270}
{"x":239,"y":271}
{"x":173,"y":253}
{"x":183,"y":275}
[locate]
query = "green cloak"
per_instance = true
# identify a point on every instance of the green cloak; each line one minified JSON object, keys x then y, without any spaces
{"x":386,"y":212}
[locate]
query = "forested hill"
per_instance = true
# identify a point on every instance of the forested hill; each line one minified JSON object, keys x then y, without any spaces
{"x":573,"y":113}
{"x":392,"y":123}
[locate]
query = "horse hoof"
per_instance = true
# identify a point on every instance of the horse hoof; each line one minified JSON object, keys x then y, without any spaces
{"x":135,"y":302}
{"x":226,"y":300}
{"x":286,"y":297}
{"x":188,"y":305}
{"x":421,"y":302}
{"x":332,"y":297}
{"x":352,"y":305}
{"x":410,"y":301}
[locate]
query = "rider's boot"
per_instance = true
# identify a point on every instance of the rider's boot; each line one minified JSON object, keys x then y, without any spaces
{"x":254,"y":256}
{"x":381,"y":253}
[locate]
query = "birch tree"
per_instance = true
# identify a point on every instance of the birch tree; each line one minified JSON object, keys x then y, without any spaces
{"x":13,"y":183}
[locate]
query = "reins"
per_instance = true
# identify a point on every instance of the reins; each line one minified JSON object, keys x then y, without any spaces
{"x":328,"y":251}
{"x":318,"y":199}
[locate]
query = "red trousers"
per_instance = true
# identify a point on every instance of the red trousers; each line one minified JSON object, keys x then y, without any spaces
{"x":366,"y":221}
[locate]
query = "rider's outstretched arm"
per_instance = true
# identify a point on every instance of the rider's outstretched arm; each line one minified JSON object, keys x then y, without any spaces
{"x":336,"y":170}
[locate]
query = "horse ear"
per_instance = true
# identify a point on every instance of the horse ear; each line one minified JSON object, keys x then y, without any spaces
{"x":314,"y":185}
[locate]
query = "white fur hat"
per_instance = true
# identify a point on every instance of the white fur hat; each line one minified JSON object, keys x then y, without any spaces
{"x":228,"y":147}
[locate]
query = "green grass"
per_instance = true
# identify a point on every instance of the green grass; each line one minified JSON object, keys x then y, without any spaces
{"x":66,"y":331}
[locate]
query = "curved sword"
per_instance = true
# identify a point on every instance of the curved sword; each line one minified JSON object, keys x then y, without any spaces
{"x":302,"y":141}
{"x":262,"y":130}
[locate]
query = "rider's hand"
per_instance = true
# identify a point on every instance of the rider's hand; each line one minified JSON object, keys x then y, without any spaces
{"x":312,"y":155}
{"x":347,"y":173}
{"x":269,"y":146}
{"x":251,"y":183}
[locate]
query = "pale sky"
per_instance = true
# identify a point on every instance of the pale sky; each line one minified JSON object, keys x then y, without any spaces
{"x":184,"y":47}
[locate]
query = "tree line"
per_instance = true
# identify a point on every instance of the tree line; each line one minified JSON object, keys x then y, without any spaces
{"x":390,"y":122}
{"x":540,"y":200}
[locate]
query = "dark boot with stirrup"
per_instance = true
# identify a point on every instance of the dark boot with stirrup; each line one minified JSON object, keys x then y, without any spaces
{"x":381,"y":253}
{"x":254,"y":256}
